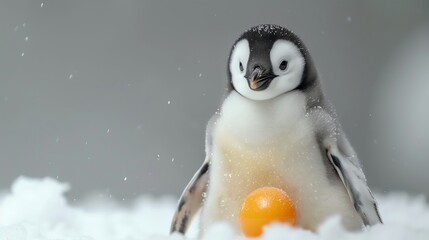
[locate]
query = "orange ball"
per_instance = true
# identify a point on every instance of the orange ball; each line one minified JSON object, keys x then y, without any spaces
{"x":263,"y":206}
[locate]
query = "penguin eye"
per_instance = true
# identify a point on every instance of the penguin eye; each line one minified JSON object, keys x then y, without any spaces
{"x":283,"y":65}
{"x":241,"y":67}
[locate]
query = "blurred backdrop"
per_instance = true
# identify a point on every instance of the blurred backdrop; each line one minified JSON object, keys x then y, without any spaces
{"x":114,"y":96}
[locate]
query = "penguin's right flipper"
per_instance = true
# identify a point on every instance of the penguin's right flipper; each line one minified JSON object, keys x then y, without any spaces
{"x":343,"y":159}
{"x":191,"y":199}
{"x":354,"y":181}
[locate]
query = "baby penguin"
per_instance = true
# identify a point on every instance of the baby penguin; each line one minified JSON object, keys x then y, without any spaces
{"x":276,"y":129}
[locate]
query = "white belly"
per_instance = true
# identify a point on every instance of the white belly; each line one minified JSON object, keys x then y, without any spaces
{"x":255,"y":148}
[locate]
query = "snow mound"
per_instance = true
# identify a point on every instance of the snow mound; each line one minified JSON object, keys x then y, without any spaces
{"x":36,"y":209}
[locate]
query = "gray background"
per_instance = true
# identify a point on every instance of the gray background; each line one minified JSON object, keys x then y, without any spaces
{"x":108,"y":90}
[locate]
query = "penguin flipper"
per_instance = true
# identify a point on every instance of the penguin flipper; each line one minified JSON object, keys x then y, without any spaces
{"x":354,"y":181}
{"x":191,"y":199}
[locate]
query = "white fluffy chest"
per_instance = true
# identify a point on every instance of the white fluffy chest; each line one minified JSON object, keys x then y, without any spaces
{"x":258,"y":144}
{"x":257,"y":122}
{"x":264,"y":143}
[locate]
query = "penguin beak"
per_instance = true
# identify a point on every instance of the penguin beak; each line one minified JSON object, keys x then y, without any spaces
{"x":259,"y":79}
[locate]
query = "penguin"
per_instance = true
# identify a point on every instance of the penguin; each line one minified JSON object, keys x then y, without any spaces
{"x":275,"y":128}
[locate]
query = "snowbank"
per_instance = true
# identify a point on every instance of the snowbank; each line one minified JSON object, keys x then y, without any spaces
{"x":36,"y":209}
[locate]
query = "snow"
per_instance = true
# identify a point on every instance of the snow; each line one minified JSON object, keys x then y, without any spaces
{"x":36,"y":209}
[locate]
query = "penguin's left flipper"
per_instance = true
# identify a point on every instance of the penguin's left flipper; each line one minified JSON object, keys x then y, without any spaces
{"x":192,"y":197}
{"x":354,"y":181}
{"x":191,"y":200}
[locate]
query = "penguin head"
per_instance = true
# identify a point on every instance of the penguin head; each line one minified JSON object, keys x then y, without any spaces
{"x":267,"y":61}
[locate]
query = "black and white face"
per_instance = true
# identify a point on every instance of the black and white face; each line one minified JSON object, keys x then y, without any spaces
{"x":261,"y":71}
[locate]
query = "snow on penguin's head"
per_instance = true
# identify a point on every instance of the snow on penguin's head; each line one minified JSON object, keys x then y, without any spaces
{"x":267,"y":61}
